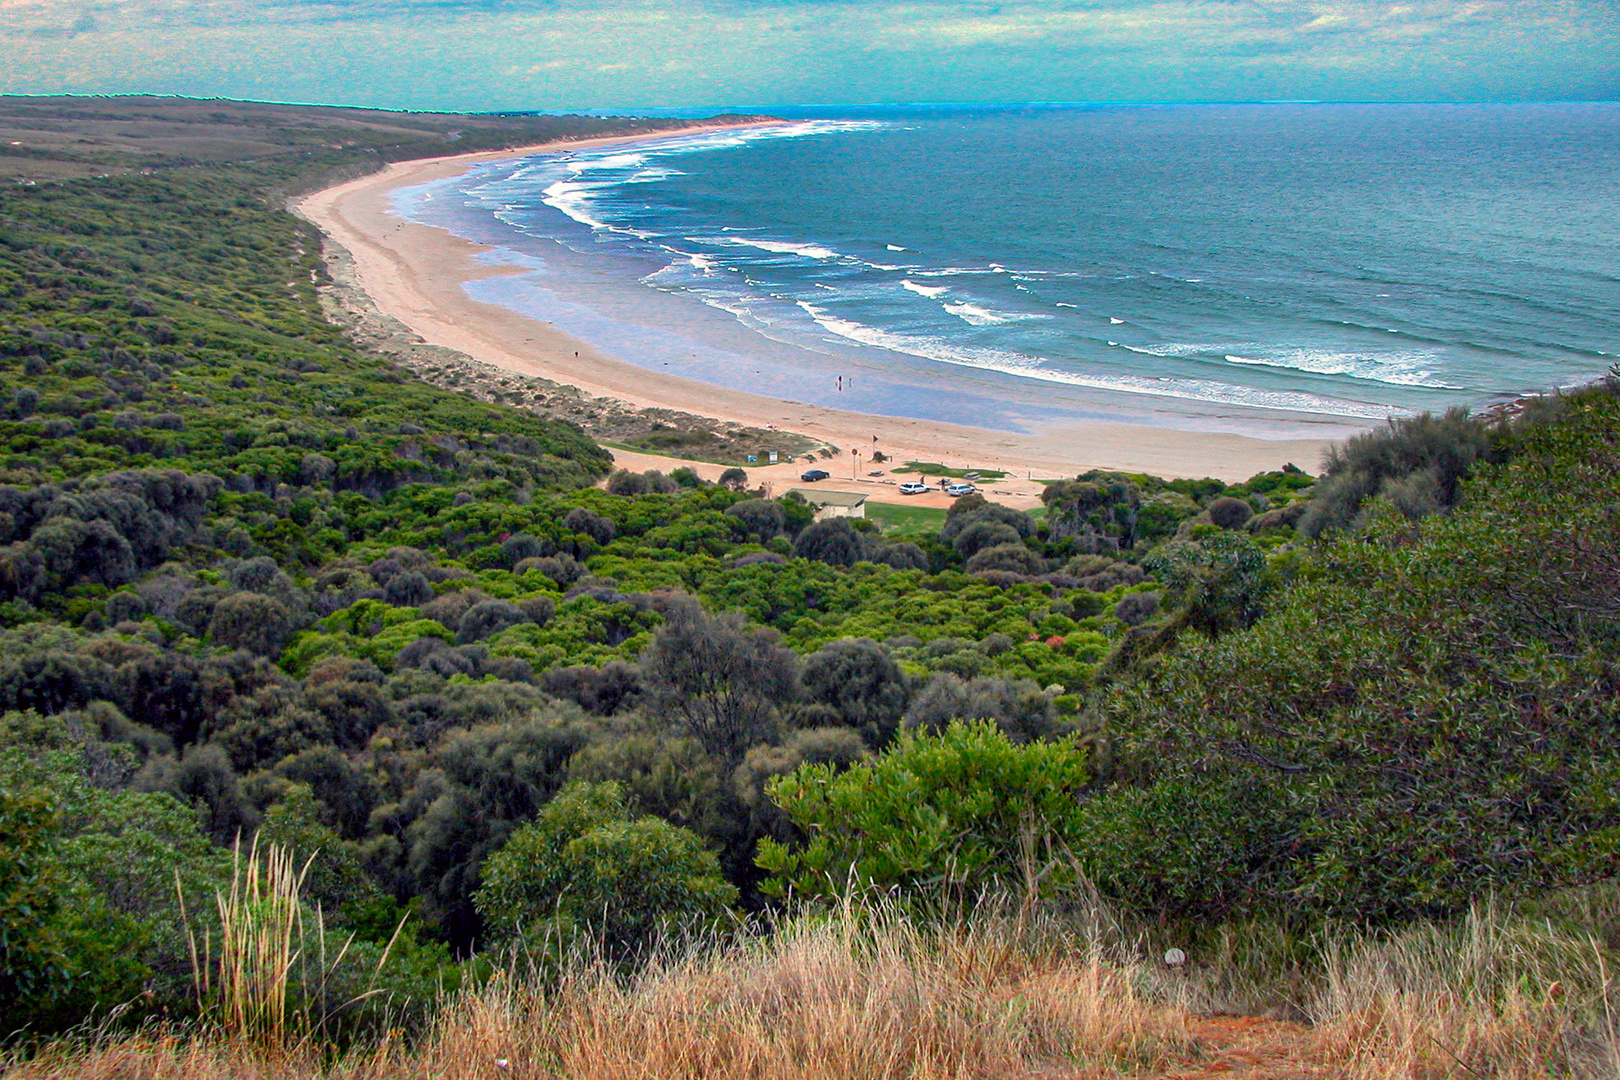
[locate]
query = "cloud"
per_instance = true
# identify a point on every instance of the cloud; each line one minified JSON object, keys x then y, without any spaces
{"x":596,"y":53}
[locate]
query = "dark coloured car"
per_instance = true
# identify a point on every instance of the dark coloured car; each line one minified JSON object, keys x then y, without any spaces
{"x":815,"y":474}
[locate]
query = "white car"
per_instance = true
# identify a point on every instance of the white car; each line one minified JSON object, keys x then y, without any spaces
{"x":913,"y":487}
{"x":956,"y":491}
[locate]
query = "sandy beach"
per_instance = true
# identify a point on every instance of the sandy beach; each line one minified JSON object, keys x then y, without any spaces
{"x":415,"y":274}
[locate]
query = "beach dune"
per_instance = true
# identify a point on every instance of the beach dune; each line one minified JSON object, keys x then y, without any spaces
{"x":415,"y":274}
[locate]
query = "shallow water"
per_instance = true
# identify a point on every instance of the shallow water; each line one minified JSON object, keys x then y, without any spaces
{"x":1277,"y":270}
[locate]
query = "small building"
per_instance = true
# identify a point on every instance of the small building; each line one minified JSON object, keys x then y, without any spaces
{"x":831,"y":504}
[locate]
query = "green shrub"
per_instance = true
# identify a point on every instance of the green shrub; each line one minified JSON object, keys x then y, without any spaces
{"x":587,"y":865}
{"x":938,"y":816}
{"x":1418,"y":461}
{"x":1012,"y":558}
{"x":1230,"y":513}
{"x":833,"y":541}
{"x":860,"y":683}
{"x":250,"y":621}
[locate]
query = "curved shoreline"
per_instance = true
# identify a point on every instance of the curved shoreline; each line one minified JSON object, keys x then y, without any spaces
{"x":415,"y":274}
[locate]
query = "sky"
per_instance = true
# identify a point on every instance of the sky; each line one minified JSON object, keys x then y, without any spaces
{"x":698,"y":54}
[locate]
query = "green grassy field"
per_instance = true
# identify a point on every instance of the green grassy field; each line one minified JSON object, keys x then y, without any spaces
{"x":934,"y":468}
{"x":907,"y":520}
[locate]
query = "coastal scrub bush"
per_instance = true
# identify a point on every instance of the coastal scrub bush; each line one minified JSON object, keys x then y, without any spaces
{"x":1016,"y":706}
{"x":1218,"y":584}
{"x":1417,"y":461}
{"x":1230,"y":513}
{"x":586,"y":865}
{"x":95,"y":874}
{"x":833,"y":541}
{"x":514,"y":549}
{"x":936,"y":818}
{"x":982,"y":534}
{"x":33,"y":966}
{"x":1012,"y":558}
{"x":250,"y":621}
{"x":859,"y":681}
{"x":971,"y":510}
{"x":718,"y":680}
{"x":1098,"y":511}
{"x":902,"y":556}
{"x":1136,"y":608}
{"x":583,"y":520}
{"x":759,"y":518}
{"x":408,"y":589}
{"x":486,"y":618}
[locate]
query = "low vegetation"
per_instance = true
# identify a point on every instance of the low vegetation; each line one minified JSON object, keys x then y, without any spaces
{"x":350,"y":725}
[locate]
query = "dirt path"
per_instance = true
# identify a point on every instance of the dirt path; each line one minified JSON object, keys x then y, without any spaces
{"x":1235,"y":1047}
{"x":1251,"y":1048}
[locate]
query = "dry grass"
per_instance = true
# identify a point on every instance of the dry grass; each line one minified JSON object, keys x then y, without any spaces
{"x":869,"y":996}
{"x":830,"y":1000}
{"x":844,"y":999}
{"x":1492,"y":996}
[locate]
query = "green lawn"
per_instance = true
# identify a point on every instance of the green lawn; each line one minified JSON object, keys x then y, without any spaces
{"x":905,"y":520}
{"x":934,"y":468}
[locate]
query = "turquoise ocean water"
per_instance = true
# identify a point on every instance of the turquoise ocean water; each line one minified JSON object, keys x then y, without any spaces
{"x":1272,"y":269}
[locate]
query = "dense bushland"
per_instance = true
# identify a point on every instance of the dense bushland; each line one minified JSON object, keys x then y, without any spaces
{"x":1426,"y":714}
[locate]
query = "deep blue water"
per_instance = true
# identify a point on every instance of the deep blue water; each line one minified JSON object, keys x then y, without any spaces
{"x":1237,"y":267}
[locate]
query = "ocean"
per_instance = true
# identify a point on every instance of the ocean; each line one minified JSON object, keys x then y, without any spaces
{"x":1274,"y":270}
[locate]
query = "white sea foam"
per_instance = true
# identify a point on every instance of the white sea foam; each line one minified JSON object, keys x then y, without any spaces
{"x":894,"y":247}
{"x":609,"y":161}
{"x":649,"y":176}
{"x":573,"y":200}
{"x":573,"y":197}
{"x":1398,"y":369}
{"x":925,"y":290}
{"x":954,"y":271}
{"x":1114,"y":322}
{"x":777,"y":247}
{"x":1170,"y":350}
{"x":733,"y":137}
{"x":974,"y":315}
{"x":730,"y":305}
{"x":1062,"y":304}
{"x":1029,"y":367}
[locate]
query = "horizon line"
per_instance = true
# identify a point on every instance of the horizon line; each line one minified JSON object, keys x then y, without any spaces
{"x":675,"y":111}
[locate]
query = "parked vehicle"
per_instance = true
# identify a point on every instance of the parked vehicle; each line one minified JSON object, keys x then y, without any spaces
{"x":956,"y":491}
{"x":812,"y":475}
{"x":913,"y":487}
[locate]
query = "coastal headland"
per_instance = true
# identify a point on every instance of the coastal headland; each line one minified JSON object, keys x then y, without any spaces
{"x":415,"y":274}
